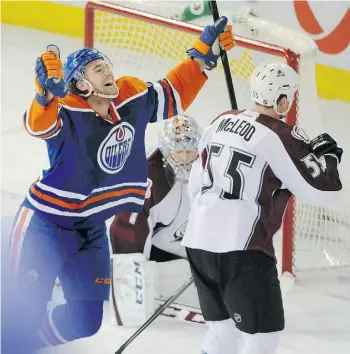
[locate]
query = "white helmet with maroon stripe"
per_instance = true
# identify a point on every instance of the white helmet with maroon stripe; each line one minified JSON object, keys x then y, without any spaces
{"x":270,"y":81}
{"x":178,"y":142}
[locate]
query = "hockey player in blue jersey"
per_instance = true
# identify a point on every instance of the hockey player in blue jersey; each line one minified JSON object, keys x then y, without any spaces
{"x":94,"y":128}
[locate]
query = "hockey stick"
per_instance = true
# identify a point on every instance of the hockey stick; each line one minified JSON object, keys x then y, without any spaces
{"x":182,"y":312}
{"x":159,"y":311}
{"x":215,"y":12}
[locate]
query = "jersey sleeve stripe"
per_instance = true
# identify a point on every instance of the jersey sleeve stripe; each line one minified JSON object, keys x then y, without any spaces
{"x":46,"y":198}
{"x":161,"y":101}
{"x":28,"y":127}
{"x":95,"y":209}
{"x":52,"y":135}
{"x":170,"y":111}
{"x":177,"y":99}
{"x":41,"y":119}
{"x":299,"y":181}
{"x":167,"y":101}
{"x":18,"y":235}
{"x":187,"y":79}
{"x":79,"y":196}
{"x":53,"y":130}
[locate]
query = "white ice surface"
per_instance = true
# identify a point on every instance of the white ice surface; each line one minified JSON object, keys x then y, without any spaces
{"x":318,"y":305}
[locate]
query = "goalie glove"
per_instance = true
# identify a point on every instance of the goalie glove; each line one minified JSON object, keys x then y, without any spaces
{"x":325,"y":144}
{"x":49,"y":75}
{"x":207,"y":48}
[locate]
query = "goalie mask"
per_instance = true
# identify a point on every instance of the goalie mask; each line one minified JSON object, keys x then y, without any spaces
{"x":178,"y":142}
{"x":75,"y":71}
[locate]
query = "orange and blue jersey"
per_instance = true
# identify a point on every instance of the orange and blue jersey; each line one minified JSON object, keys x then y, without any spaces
{"x":98,"y":164}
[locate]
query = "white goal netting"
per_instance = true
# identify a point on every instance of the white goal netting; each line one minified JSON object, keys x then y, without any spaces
{"x":148,"y":47}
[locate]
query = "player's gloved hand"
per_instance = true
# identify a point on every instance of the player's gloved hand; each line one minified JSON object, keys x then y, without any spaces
{"x":325,"y":144}
{"x":207,"y":48}
{"x":227,"y":39}
{"x":49,"y":75}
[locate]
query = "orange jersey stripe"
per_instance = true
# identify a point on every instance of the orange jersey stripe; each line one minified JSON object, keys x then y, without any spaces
{"x":16,"y":237}
{"x":74,"y":101}
{"x":41,"y":118}
{"x":128,"y":87}
{"x":187,"y":79}
{"x":75,"y":206}
{"x":171,"y":99}
{"x":78,"y":102}
{"x":58,"y":126}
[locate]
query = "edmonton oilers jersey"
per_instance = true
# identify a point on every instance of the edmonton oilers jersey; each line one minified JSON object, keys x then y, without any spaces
{"x":98,"y":164}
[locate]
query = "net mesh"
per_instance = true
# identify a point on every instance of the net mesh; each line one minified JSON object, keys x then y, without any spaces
{"x":148,"y":50}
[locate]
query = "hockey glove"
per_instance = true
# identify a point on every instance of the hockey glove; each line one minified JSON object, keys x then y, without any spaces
{"x":206,"y":47}
{"x":227,"y":39}
{"x":325,"y":144}
{"x":49,"y":75}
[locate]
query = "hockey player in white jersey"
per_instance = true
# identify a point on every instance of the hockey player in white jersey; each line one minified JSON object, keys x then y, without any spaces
{"x":155,"y":234}
{"x":250,"y":164}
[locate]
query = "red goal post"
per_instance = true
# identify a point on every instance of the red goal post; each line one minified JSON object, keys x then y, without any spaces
{"x":147,"y":46}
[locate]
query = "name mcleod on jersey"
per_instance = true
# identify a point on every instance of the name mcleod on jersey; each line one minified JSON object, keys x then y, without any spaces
{"x":115,"y":148}
{"x":237,"y":126}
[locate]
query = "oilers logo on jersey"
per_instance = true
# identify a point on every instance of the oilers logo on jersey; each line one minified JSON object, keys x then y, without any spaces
{"x":115,"y":148}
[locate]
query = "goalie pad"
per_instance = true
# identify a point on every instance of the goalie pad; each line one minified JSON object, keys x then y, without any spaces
{"x":171,"y":275}
{"x":134,"y":287}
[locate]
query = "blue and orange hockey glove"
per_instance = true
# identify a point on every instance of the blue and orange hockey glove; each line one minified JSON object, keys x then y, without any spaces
{"x":206,"y":46}
{"x":227,"y":39}
{"x":49,"y":75}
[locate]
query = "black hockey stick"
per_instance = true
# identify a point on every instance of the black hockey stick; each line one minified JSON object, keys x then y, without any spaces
{"x":215,"y":12}
{"x":159,"y":311}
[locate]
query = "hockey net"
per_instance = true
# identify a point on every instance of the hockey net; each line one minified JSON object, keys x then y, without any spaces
{"x":148,"y":46}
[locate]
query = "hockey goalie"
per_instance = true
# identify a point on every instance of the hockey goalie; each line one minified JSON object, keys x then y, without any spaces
{"x":142,"y":242}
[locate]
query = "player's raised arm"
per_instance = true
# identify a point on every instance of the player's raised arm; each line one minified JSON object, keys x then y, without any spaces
{"x":41,"y":119}
{"x":179,"y":88}
{"x":307,"y":169}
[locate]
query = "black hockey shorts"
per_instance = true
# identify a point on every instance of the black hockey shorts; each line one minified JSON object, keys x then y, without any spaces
{"x":242,"y":285}
{"x":159,"y":255}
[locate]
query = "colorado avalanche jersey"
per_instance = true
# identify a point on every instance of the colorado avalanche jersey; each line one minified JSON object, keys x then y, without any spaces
{"x":98,"y":164}
{"x":235,"y":187}
{"x":163,"y":220}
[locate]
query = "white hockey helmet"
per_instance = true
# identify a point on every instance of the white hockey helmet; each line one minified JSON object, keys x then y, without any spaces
{"x":271,"y":80}
{"x":178,"y":143}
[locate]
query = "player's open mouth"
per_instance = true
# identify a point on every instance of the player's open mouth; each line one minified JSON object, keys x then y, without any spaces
{"x":109,"y":81}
